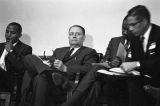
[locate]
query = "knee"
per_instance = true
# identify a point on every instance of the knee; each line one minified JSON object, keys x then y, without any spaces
{"x":39,"y":79}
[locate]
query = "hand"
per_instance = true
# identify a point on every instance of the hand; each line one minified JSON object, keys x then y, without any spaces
{"x":128,"y":66}
{"x":116,"y":62}
{"x":9,"y":46}
{"x":60,"y":66}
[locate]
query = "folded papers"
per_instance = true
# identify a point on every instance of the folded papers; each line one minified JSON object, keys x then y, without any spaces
{"x":119,"y":72}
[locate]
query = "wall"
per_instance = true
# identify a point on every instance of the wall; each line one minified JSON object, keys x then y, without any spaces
{"x":46,"y":22}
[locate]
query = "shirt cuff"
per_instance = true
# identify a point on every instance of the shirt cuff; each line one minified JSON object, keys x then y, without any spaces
{"x":138,"y":64}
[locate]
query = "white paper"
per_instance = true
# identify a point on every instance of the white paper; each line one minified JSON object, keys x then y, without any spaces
{"x":119,"y":72}
{"x":108,"y":72}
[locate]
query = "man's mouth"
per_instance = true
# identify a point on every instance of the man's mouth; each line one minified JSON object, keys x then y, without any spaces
{"x":74,"y":40}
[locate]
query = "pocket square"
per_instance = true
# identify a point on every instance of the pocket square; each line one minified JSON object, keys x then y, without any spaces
{"x":152,"y":46}
{"x":151,"y":53}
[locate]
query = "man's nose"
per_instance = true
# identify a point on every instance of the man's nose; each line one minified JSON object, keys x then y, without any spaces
{"x":75,"y":35}
{"x":130,"y":28}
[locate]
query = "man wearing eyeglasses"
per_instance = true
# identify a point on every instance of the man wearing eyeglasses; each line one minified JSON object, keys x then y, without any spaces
{"x":145,"y":49}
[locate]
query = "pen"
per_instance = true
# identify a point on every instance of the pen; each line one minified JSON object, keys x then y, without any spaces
{"x":44,"y":55}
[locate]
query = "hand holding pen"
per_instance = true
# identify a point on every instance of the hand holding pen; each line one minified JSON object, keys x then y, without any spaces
{"x":59,"y":63}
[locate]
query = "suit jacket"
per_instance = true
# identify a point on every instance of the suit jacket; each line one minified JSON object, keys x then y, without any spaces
{"x":150,"y":60}
{"x":14,"y":62}
{"x":80,"y":61}
{"x":113,"y":47}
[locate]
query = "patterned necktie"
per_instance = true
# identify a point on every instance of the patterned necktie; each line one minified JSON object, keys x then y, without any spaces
{"x":127,"y":48}
{"x":126,"y":45}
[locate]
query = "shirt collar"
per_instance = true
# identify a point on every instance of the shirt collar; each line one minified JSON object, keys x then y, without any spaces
{"x":15,"y":44}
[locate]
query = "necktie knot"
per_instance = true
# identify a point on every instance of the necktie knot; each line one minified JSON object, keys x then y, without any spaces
{"x":70,"y":52}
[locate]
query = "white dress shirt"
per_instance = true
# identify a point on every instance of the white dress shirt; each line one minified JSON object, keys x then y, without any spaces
{"x":2,"y":59}
{"x":75,"y":49}
{"x":146,"y":37}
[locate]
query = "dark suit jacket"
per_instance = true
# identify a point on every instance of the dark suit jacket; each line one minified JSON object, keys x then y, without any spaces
{"x":150,"y":61}
{"x":113,"y":47}
{"x":94,"y":84}
{"x":14,"y":60}
{"x":80,"y":61}
{"x":40,"y":73}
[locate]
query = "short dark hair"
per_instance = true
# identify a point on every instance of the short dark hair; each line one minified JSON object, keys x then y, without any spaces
{"x":17,"y":25}
{"x":140,"y":11}
{"x":83,"y":30}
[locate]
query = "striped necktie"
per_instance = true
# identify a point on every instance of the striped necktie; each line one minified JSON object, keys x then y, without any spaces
{"x":68,"y":54}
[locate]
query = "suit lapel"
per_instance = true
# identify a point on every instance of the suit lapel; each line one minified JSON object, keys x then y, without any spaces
{"x":122,"y":40}
{"x":136,"y":49}
{"x":77,"y":52}
{"x":17,"y":47}
{"x":74,"y":55}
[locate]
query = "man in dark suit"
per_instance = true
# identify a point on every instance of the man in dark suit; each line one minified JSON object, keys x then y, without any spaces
{"x":12,"y":53}
{"x":145,"y":50}
{"x":89,"y":87}
{"x":62,"y":70}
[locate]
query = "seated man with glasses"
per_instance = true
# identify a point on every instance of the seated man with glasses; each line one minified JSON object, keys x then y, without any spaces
{"x":145,"y":49}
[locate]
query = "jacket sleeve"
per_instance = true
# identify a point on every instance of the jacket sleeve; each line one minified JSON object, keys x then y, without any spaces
{"x":16,"y":62}
{"x":108,"y":54}
{"x":85,"y":66}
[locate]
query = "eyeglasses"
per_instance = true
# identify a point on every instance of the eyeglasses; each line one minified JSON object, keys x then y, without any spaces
{"x":134,"y":24}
